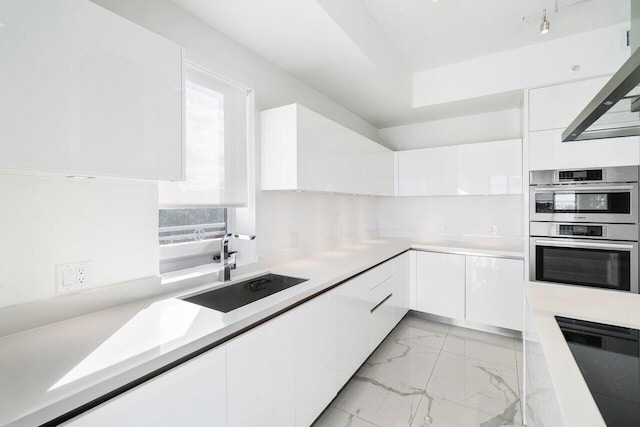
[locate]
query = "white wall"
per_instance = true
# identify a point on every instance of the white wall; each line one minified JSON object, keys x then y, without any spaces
{"x":494,"y":126}
{"x":453,"y":218}
{"x":49,"y":221}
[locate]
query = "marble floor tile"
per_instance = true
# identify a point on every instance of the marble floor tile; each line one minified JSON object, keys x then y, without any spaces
{"x":334,"y":417}
{"x":378,"y":403}
{"x":482,"y":346}
{"x":430,"y":374}
{"x":436,"y":412}
{"x":413,"y":330}
{"x":476,"y":384}
{"x":400,"y":365}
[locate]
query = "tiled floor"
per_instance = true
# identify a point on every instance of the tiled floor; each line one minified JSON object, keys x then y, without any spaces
{"x":430,"y":374}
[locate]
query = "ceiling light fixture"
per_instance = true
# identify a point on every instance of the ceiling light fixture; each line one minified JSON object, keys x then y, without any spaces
{"x":545,"y":25}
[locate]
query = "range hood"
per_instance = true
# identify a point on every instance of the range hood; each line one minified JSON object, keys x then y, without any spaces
{"x":615,"y":110}
{"x":619,"y":99}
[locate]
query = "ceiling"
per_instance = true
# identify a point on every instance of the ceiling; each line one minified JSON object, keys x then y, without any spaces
{"x":363,"y":53}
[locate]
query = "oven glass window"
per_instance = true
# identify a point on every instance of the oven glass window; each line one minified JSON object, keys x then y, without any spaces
{"x":588,"y":267}
{"x":583,"y":203}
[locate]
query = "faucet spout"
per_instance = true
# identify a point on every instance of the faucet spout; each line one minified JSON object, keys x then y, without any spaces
{"x":225,"y":264}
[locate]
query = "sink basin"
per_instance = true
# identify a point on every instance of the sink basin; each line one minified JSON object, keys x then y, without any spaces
{"x":242,"y":293}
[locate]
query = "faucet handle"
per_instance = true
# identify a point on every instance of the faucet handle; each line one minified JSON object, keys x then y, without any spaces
{"x":232,"y":259}
{"x":243,"y":236}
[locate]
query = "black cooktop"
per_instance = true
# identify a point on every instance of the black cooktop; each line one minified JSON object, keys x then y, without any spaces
{"x":243,"y":293}
{"x":609,"y":358}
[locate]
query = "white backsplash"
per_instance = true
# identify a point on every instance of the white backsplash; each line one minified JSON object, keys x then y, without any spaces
{"x":453,"y":218}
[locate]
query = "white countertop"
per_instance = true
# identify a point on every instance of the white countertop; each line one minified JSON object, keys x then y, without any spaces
{"x":48,"y":371}
{"x":596,"y":305}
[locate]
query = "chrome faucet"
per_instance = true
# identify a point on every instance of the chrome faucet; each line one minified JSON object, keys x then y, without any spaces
{"x":228,"y":260}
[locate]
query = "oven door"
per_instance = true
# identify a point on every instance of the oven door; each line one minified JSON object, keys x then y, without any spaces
{"x":592,"y":263}
{"x":585,"y":203}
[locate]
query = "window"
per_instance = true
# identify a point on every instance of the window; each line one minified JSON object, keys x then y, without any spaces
{"x":195,"y":213}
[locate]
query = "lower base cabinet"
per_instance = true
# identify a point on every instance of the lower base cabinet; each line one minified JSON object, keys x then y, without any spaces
{"x":440,"y":284}
{"x":281,"y":373}
{"x":193,"y":394}
{"x":495,"y":291}
{"x":261,"y":380}
{"x":316,"y":357}
{"x":480,"y":289}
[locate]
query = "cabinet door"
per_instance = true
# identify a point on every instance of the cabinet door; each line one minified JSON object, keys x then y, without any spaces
{"x":547,"y":151}
{"x":440,"y":284}
{"x":192,"y":394}
{"x":353,"y":326}
{"x":261,"y":375}
{"x":428,"y":172}
{"x":87,"y":92}
{"x":401,"y":292}
{"x":495,"y":291}
{"x":555,"y":107}
{"x":316,"y":357}
{"x":490,"y":168}
{"x":329,"y":155}
{"x":377,"y":170}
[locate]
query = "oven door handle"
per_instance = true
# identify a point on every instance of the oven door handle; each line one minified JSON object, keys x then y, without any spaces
{"x":584,"y":245}
{"x":601,"y":189}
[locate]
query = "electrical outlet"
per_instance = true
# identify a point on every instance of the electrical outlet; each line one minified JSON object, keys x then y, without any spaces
{"x":295,"y":238}
{"x":72,"y":277}
{"x":494,"y":229}
{"x":444,"y":227}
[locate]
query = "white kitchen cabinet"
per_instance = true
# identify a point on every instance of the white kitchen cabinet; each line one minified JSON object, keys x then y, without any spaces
{"x":86,"y":92}
{"x":402,"y":286}
{"x":547,"y":151}
{"x":471,"y":169}
{"x":261,"y":384}
{"x":555,"y":107}
{"x":302,"y":150}
{"x":440,"y":280}
{"x":316,"y":357}
{"x":192,"y":394}
{"x":494,"y":291}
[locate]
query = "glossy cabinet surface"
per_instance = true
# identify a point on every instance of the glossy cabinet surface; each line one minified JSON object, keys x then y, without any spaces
{"x":192,"y":394}
{"x":555,"y":107}
{"x":494,"y":291}
{"x":302,"y":150}
{"x":440,"y":280}
{"x":316,"y":357}
{"x":87,"y":92}
{"x":472,"y":169}
{"x":261,"y":383}
{"x":547,"y":151}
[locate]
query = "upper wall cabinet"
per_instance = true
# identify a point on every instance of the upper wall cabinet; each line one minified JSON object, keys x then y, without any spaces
{"x":555,"y":107}
{"x":86,"y":92}
{"x":302,"y":150}
{"x":472,"y":169}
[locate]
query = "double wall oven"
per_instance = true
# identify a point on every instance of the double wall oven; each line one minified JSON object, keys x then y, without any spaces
{"x":584,"y":227}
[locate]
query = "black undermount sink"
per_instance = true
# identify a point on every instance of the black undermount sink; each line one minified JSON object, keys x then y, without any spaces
{"x":242,"y":293}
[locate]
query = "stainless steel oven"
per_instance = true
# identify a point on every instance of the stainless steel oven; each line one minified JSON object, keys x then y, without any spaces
{"x":606,"y":195}
{"x":593,"y":255}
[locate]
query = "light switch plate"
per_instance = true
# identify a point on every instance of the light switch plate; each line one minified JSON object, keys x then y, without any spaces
{"x":72,"y":277}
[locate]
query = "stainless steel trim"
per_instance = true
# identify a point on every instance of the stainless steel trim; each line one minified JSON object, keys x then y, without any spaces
{"x":466,"y":324}
{"x":610,"y":175}
{"x":618,"y":86}
{"x":631,"y":247}
{"x":583,"y":188}
{"x":624,"y":232}
{"x":580,"y":244}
